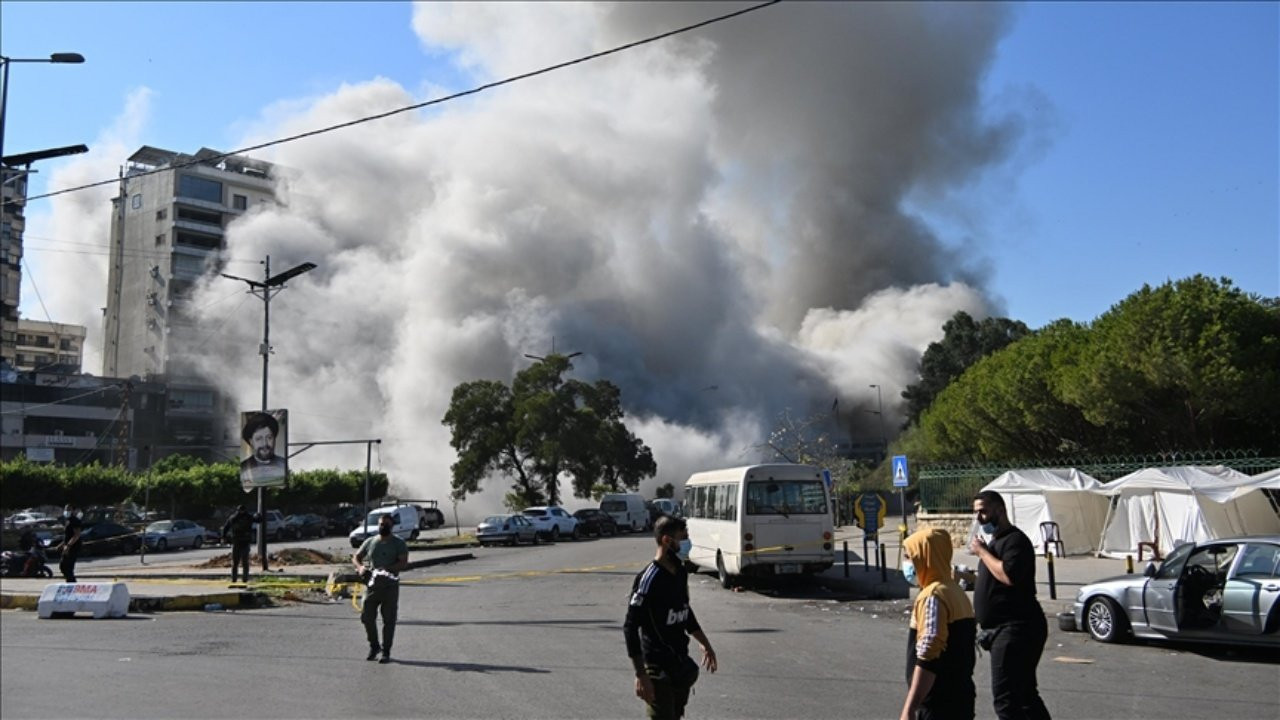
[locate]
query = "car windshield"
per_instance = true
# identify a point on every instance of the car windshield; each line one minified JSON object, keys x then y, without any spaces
{"x":613,"y":506}
{"x":162,"y":526}
{"x":373,"y":518}
{"x":786,"y":497}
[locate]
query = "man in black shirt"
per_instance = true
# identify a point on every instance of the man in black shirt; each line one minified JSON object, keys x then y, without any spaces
{"x":239,"y":530}
{"x":70,"y":543}
{"x":1006,"y":607}
{"x":659,"y":623}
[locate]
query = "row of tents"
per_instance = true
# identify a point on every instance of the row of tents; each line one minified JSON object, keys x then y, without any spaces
{"x":1161,"y":506}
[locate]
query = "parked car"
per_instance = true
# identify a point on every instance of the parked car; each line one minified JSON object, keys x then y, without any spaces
{"x":343,"y":520}
{"x":24,"y":519}
{"x":429,"y":516}
{"x":165,"y":534}
{"x":594,"y":521}
{"x":553,"y":522}
{"x":212,"y":535}
{"x":304,"y":525}
{"x":627,"y":509}
{"x":108,"y":538}
{"x":275,"y":524}
{"x":508,"y":529}
{"x":1219,"y":591}
{"x":667,"y":506}
{"x":404,"y":525}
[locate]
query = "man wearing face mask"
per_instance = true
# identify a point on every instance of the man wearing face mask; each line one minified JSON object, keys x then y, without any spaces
{"x":1014,"y":628}
{"x":70,"y":545}
{"x":659,"y":623}
{"x":386,"y":556}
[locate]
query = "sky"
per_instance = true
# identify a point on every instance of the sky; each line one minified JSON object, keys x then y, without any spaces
{"x":785,"y":206}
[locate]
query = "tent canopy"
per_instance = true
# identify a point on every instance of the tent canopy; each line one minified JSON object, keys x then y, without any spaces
{"x":1172,"y":505}
{"x":1064,"y":496}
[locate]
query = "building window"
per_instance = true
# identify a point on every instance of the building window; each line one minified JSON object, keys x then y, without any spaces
{"x":162,"y":214}
{"x":160,"y":239}
{"x":137,"y":201}
{"x":22,"y":339}
{"x":240,"y":202}
{"x":65,"y":344}
{"x":200,"y":188}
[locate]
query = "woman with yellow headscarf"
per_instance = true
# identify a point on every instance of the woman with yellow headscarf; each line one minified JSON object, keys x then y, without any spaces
{"x":940,"y":644}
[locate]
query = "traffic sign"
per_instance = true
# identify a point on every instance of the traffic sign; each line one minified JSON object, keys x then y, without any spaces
{"x":826,"y":478}
{"x":870,"y":509}
{"x":900,"y":475}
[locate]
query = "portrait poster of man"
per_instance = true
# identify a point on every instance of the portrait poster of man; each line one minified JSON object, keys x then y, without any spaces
{"x":265,"y":437}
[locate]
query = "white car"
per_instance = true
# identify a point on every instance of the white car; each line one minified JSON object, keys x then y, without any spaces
{"x":553,"y":522}
{"x":23,"y":519}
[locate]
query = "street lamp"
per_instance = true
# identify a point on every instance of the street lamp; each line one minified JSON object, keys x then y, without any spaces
{"x":59,"y":58}
{"x":539,"y":358}
{"x":265,"y":288}
{"x":884,"y":439}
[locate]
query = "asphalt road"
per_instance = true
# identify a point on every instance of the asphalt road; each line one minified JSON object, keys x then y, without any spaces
{"x":535,"y":632}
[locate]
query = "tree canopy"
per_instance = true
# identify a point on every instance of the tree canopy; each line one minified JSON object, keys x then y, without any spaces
{"x":1189,"y":365}
{"x":539,"y":428}
{"x":964,"y":342}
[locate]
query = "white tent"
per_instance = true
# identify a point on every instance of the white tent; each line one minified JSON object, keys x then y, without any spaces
{"x":1184,"y":504}
{"x":1065,"y":496}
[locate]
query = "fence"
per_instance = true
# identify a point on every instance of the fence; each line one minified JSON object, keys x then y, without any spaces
{"x":950,"y":487}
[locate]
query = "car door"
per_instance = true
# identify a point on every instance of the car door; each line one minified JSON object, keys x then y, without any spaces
{"x":1251,"y":589}
{"x":1160,"y":593}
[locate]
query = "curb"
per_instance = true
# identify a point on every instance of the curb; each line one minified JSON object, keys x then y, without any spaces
{"x":152,"y":604}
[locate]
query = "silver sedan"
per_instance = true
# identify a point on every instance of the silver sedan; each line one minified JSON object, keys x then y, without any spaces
{"x":509,"y":529}
{"x":1220,"y":591}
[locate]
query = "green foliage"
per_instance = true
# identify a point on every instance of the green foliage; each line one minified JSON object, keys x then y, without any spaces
{"x":1189,"y":365}
{"x":964,"y":342}
{"x":665,"y":490}
{"x":539,"y":429}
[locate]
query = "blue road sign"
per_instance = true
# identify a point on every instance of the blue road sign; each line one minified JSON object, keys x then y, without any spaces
{"x":826,"y":478}
{"x":900,"y":476}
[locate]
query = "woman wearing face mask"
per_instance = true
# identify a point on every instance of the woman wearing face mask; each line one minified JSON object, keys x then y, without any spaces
{"x":659,"y":623}
{"x":940,"y":654}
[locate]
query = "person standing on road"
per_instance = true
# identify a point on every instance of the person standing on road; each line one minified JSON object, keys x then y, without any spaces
{"x":940,"y":641}
{"x":386,"y":556}
{"x":1014,"y":628}
{"x":239,"y":529}
{"x":71,"y":544}
{"x":659,"y":623}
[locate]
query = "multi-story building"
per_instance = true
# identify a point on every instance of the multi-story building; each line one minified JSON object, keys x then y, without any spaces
{"x":48,"y":345}
{"x":168,"y":228}
{"x":12,"y":221}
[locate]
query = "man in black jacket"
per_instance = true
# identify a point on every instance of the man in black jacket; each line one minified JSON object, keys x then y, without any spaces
{"x":659,"y":623}
{"x":1006,"y":607}
{"x":239,"y":530}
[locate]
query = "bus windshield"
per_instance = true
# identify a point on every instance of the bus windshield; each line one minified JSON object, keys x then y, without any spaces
{"x":786,"y":497}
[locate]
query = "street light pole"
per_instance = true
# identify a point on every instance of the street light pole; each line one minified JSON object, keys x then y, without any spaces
{"x":884,"y":440}
{"x":60,"y":58}
{"x":264,"y":289}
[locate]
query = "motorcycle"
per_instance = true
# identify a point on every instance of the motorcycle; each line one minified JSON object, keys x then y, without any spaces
{"x":24,"y":564}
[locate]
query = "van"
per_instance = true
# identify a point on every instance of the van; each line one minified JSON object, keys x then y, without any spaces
{"x":627,"y":510}
{"x":404,"y":524}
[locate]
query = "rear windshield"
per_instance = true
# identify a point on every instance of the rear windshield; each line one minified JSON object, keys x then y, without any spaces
{"x":535,"y":513}
{"x":786,"y":497}
{"x":495,"y":520}
{"x":613,"y":506}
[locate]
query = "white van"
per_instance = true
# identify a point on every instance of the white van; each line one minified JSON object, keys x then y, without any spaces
{"x":404,"y":524}
{"x":762,"y":520}
{"x":627,"y":510}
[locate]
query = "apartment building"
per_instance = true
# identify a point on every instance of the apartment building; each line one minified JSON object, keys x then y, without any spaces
{"x":13,"y":201}
{"x":42,"y":345}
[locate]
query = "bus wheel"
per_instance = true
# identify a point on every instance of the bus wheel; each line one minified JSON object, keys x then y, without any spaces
{"x":726,"y":582}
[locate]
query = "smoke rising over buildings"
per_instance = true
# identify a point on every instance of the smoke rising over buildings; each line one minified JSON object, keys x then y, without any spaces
{"x":718,"y":222}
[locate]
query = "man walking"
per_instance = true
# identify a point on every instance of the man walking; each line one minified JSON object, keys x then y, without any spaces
{"x":70,"y":545}
{"x":659,"y":623}
{"x":379,"y":562}
{"x":1014,"y":629}
{"x":239,"y":529}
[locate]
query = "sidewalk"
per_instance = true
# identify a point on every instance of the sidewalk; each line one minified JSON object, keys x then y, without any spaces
{"x":169,"y":587}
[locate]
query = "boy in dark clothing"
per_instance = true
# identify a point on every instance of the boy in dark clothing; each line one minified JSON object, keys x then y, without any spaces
{"x":940,"y":653}
{"x":659,"y":623}
{"x":239,"y":528}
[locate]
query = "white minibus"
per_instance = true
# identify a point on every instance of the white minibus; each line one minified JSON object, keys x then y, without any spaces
{"x":760,"y":521}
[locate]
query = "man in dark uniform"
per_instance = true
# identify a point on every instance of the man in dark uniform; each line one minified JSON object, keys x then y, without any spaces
{"x":1006,"y":606}
{"x":659,"y":623}
{"x":379,"y":562}
{"x":70,"y":543}
{"x":239,"y":530}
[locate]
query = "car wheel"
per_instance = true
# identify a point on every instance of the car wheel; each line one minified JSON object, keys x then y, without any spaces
{"x":195,"y":544}
{"x":536,"y":540}
{"x":162,"y":545}
{"x":555,"y":534}
{"x":726,"y":582}
{"x":577,"y":533}
{"x":45,"y":572}
{"x":1104,"y":620}
{"x":413,"y":535}
{"x":129,"y":547}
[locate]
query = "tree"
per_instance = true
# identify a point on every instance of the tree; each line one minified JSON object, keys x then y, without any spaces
{"x":964,"y":342}
{"x":540,"y":428}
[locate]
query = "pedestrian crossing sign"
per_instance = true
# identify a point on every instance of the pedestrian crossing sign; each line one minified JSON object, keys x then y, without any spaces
{"x":900,"y":471}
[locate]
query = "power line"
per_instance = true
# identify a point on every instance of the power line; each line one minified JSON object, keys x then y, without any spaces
{"x":419,"y":106}
{"x":32,"y":280}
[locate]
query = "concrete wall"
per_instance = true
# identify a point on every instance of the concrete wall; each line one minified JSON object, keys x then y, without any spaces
{"x":957,"y":524}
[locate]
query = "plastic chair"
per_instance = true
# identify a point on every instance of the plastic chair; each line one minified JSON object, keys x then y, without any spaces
{"x":1052,"y":537}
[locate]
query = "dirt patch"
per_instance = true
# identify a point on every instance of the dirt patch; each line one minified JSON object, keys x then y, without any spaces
{"x":281,"y":558}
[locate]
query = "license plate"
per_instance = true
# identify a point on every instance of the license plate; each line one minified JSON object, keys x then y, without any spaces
{"x":786,"y":569}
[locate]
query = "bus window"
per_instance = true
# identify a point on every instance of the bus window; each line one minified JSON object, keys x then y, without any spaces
{"x":786,"y":497}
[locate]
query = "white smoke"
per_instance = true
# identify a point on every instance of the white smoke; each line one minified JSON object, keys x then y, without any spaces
{"x":716,"y":222}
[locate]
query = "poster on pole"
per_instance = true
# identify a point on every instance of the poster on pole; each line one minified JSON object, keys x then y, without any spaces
{"x":261,"y":433}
